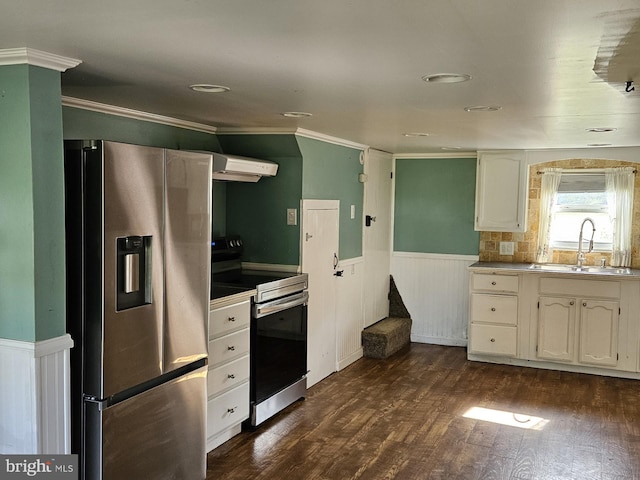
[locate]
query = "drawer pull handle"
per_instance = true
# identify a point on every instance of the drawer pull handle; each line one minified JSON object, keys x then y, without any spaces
{"x":231,"y":410}
{"x":493,"y":283}
{"x":493,"y":340}
{"x":231,"y":347}
{"x":231,"y":375}
{"x":493,"y":309}
{"x":232,"y":319}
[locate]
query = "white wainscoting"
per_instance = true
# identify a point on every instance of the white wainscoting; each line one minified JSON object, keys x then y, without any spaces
{"x":435,"y":290}
{"x":35,"y":396}
{"x":349,"y":312}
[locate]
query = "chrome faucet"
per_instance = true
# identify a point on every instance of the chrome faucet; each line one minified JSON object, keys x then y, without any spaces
{"x":581,"y":256}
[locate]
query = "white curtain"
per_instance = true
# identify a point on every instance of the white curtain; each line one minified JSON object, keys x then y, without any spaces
{"x":619,"y":184}
{"x":549,"y":188}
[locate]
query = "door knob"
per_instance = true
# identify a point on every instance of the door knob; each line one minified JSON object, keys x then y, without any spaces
{"x":307,"y":236}
{"x":368,"y":219}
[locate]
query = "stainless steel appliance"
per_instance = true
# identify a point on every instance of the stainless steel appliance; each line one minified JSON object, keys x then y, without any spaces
{"x":138,"y":259}
{"x":278,"y":350}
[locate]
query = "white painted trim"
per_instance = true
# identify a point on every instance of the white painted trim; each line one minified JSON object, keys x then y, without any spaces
{"x":53,"y":345}
{"x":300,"y":132}
{"x":345,"y":362}
{"x":450,"y":342}
{"x":271,"y":267}
{"x":436,"y":256}
{"x":135,"y":114}
{"x":30,"y":56}
{"x":329,"y":139}
{"x":627,"y":154}
{"x":564,"y":367}
{"x":434,"y":156}
{"x":35,"y":404}
{"x":315,"y":204}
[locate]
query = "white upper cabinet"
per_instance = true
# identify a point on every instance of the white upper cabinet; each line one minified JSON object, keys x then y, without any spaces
{"x":501,"y":191}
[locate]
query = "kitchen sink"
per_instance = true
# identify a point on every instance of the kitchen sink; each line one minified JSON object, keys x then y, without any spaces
{"x":557,"y":267}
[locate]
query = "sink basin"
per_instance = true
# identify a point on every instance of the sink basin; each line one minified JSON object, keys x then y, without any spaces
{"x":555,"y":267}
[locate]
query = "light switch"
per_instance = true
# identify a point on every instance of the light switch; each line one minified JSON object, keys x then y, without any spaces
{"x":353,"y":212}
{"x":292,"y":216}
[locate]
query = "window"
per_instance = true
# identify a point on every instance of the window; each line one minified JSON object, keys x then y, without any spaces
{"x":580,"y":196}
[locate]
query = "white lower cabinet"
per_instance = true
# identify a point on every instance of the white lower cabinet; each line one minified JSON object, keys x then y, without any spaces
{"x":599,"y":332}
{"x":563,"y":321}
{"x":493,"y":317}
{"x":556,"y":329}
{"x":578,"y":330}
{"x":228,"y":375}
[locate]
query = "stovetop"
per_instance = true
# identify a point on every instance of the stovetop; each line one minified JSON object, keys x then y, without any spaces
{"x":228,"y":277}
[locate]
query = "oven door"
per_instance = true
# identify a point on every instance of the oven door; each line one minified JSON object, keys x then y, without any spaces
{"x":278,"y":345}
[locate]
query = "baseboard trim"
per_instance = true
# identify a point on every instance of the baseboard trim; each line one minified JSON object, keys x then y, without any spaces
{"x":345,"y":362}
{"x":450,"y":342}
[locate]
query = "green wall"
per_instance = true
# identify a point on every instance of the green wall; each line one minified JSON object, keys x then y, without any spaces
{"x":32,"y":294}
{"x":258,"y":211}
{"x":434,"y":206}
{"x":330,"y":172}
{"x":82,"y":124}
{"x":309,"y":169}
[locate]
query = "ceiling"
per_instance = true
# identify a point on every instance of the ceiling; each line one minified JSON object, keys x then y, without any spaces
{"x":554,"y":67}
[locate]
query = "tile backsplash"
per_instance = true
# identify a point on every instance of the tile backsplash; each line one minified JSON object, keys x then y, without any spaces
{"x":526,"y":244}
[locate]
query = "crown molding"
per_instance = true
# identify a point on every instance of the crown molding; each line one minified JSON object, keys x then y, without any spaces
{"x":433,"y":156}
{"x":299,"y":132}
{"x":135,"y":114}
{"x":30,"y":56}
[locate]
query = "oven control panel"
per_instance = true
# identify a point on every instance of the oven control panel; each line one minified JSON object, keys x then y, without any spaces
{"x":223,"y":248}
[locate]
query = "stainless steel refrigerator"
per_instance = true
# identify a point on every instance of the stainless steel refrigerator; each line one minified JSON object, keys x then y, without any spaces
{"x":138,"y":222}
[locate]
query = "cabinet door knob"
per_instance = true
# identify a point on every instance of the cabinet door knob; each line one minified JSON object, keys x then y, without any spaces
{"x":493,"y":340}
{"x":232,"y":319}
{"x":231,"y":410}
{"x":231,"y":375}
{"x":231,"y":347}
{"x":584,"y":304}
{"x":493,"y":309}
{"x":493,"y":283}
{"x":571,"y":302}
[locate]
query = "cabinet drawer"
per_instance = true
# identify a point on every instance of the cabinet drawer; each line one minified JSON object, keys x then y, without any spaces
{"x":493,"y":340}
{"x":495,"y":283}
{"x":229,"y":347}
{"x":227,"y":375}
{"x":227,"y":410}
{"x":494,"y":308}
{"x":227,"y":319}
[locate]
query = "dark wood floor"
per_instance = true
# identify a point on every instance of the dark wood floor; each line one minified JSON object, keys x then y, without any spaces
{"x":403,"y":418}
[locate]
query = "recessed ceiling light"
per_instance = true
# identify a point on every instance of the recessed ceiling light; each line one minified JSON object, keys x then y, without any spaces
{"x":601,"y":129}
{"x":208,"y":88}
{"x":483,"y":108}
{"x":297,"y":114}
{"x":446,"y":78}
{"x":415,"y":134}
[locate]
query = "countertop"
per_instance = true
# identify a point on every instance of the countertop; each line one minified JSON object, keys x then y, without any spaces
{"x":231,"y":299}
{"x":589,"y":270}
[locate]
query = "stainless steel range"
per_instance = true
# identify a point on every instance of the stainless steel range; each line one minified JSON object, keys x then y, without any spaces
{"x":278,"y":327}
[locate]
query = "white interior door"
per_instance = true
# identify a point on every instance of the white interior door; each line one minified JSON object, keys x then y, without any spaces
{"x":377,"y":236}
{"x":319,"y":257}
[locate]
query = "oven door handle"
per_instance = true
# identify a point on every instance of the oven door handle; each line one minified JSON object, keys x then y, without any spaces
{"x":261,"y":310}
